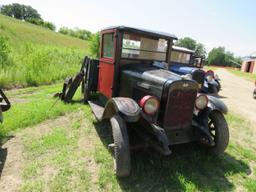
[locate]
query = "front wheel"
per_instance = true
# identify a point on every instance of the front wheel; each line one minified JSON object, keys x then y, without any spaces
{"x":254,"y":93}
{"x":219,"y":86}
{"x":219,"y":132}
{"x":121,"y":146}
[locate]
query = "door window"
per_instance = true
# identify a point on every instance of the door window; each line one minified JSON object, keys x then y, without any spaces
{"x":108,"y":45}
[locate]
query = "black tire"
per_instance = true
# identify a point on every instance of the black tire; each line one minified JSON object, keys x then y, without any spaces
{"x":219,"y":131}
{"x":254,"y":93}
{"x":219,"y":86}
{"x":122,"y":159}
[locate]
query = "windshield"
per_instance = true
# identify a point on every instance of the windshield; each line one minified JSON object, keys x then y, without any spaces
{"x":180,"y":57}
{"x":140,"y":47}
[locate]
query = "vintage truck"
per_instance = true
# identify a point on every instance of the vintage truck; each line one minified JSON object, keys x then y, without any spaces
{"x":4,"y":104}
{"x":130,"y":85}
{"x":184,"y":62}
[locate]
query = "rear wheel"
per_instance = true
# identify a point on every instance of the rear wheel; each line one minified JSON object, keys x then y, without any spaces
{"x":219,"y":132}
{"x":121,"y":147}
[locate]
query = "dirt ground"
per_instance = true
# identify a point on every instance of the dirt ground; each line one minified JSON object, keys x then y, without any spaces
{"x":237,"y":94}
{"x":12,"y":159}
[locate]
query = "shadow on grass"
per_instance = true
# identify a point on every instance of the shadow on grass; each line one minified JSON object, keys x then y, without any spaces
{"x":3,"y":152}
{"x":3,"y":156}
{"x":187,"y":168}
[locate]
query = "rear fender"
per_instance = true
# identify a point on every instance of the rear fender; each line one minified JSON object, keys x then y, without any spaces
{"x":127,"y":108}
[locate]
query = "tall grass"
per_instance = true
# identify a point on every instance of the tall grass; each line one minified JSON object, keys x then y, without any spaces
{"x":35,"y":64}
{"x":31,"y":55}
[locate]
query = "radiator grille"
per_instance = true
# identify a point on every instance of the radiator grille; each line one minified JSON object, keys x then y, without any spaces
{"x":179,"y":107}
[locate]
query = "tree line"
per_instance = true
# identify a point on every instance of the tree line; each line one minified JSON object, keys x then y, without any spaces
{"x":217,"y":56}
{"x":31,"y":15}
{"x":25,"y":13}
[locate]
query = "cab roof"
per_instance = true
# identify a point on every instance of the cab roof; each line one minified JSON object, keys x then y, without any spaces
{"x":143,"y":32}
{"x":183,"y":49}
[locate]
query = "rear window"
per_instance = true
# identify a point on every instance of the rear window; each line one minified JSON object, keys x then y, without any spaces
{"x":108,"y":45}
{"x":139,"y":47}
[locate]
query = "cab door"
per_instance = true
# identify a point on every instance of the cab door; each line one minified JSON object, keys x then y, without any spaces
{"x":106,"y":66}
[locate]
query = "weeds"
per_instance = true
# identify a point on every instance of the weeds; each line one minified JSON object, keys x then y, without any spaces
{"x":32,"y":56}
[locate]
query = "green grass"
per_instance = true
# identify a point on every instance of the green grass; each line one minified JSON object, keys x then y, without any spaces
{"x":189,"y":168}
{"x":20,"y":32}
{"x":58,"y":155}
{"x":247,"y":76}
{"x":37,"y":56}
{"x":34,"y":105}
{"x":210,"y":67}
{"x":72,"y":154}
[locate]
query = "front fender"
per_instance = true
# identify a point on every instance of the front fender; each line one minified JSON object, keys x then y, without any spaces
{"x":216,"y":104}
{"x":127,"y":108}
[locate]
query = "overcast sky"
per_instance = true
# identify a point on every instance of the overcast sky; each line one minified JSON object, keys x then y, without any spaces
{"x":229,"y":23}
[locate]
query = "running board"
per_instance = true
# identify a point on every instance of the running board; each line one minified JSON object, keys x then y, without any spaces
{"x":97,"y":109}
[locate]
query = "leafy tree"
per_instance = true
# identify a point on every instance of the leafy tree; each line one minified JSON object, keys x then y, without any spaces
{"x":94,"y":45}
{"x":7,"y":10}
{"x":49,"y":25}
{"x":191,"y":44}
{"x":18,"y":11}
{"x":187,"y":42}
{"x":217,"y":56}
{"x":78,"y":33}
{"x":64,"y":30}
{"x":200,"y":50}
{"x":30,"y":13}
{"x":35,"y":21}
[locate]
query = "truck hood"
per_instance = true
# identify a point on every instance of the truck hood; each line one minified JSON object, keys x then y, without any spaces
{"x":150,"y":73}
{"x":182,"y":69}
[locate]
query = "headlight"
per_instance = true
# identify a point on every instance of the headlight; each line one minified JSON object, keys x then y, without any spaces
{"x":216,"y":77}
{"x":201,"y":101}
{"x":209,"y":78}
{"x":149,"y":104}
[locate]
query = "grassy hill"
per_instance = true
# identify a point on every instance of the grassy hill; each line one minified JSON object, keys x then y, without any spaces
{"x":35,"y":55}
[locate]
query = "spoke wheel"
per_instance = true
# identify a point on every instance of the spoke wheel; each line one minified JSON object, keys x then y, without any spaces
{"x":219,"y":132}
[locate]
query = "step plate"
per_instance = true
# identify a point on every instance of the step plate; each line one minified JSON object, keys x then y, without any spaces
{"x":97,"y":109}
